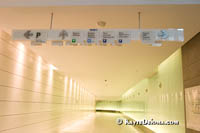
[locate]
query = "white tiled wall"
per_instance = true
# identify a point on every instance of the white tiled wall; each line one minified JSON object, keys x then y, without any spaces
{"x":34,"y":96}
{"x":159,"y":97}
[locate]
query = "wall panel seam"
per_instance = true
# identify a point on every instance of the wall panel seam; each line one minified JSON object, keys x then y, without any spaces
{"x":33,"y":91}
{"x":46,"y":85}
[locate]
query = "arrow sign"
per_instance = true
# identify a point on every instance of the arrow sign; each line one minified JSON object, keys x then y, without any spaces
{"x":22,"y":34}
{"x":28,"y":34}
{"x":59,"y":35}
{"x":33,"y":35}
{"x":63,"y":34}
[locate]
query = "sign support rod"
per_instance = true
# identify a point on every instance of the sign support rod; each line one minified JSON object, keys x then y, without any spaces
{"x":139,"y":21}
{"x":51,"y":23}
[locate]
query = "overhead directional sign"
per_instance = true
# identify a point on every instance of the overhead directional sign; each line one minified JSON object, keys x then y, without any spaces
{"x":28,"y":34}
{"x":40,"y":36}
{"x":77,"y":37}
{"x":63,"y":34}
{"x":59,"y":35}
{"x":107,"y":36}
{"x":92,"y":36}
{"x":33,"y":35}
{"x":148,"y":37}
{"x":123,"y":36}
{"x":99,"y":36}
{"x":162,"y":35}
{"x":21,"y":34}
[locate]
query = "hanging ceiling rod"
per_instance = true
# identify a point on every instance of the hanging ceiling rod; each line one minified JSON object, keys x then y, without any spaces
{"x":51,"y":21}
{"x":139,"y":21}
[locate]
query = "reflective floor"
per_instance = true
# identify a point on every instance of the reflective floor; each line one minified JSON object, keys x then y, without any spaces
{"x":99,"y":122}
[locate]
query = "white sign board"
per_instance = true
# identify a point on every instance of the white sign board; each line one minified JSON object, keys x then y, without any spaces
{"x":148,"y":37}
{"x":107,"y":36}
{"x":180,"y":33}
{"x":135,"y":35}
{"x":77,"y":36}
{"x":103,"y":36}
{"x":162,"y":35}
{"x":59,"y":35}
{"x":34,"y":35}
{"x":92,"y":36}
{"x":123,"y":36}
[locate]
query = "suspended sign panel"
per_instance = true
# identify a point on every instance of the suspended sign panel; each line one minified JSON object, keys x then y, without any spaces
{"x":176,"y":34}
{"x":59,"y":35}
{"x":170,"y":35}
{"x":92,"y":36}
{"x":77,"y":36}
{"x":148,"y":37}
{"x":123,"y":36}
{"x":162,"y":35}
{"x":34,"y":35}
{"x":96,"y":36}
{"x":107,"y":36}
{"x":180,"y":35}
{"x":135,"y":35}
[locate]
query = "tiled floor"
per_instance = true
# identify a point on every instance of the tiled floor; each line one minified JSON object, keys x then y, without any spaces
{"x":99,"y":123}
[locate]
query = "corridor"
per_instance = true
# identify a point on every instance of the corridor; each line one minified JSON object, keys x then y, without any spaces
{"x":94,"y":122}
{"x":99,"y":66}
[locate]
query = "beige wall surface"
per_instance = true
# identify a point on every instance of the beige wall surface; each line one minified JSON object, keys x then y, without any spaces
{"x":159,"y":97}
{"x":34,"y":96}
{"x":191,"y":62}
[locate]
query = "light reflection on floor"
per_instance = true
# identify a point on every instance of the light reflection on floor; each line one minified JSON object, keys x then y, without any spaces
{"x":99,"y":123}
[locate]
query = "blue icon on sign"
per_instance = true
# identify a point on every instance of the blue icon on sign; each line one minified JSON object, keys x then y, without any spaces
{"x":104,"y":40}
{"x":89,"y":41}
{"x":120,"y":41}
{"x":163,"y":34}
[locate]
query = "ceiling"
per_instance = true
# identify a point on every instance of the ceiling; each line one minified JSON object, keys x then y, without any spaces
{"x":122,"y":67}
{"x":9,"y":3}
